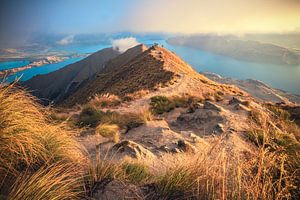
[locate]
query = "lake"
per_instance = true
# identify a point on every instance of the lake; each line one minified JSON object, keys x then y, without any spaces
{"x":285,"y":77}
{"x":13,"y":64}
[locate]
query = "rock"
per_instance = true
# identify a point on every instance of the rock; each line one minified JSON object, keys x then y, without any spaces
{"x":118,"y":190}
{"x":132,"y":149}
{"x":186,"y":146}
{"x":164,"y":148}
{"x":175,"y":150}
{"x":236,"y":100}
{"x":199,"y":105}
{"x":242,"y":107}
{"x":211,"y":106}
{"x":219,"y":128}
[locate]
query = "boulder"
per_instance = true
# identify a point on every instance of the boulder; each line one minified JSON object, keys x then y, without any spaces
{"x":242,"y":107}
{"x":219,"y":128}
{"x":131,"y":149}
{"x":186,"y":146}
{"x":211,"y":106}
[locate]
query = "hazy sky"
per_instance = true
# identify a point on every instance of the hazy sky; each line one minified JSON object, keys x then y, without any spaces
{"x":21,"y":18}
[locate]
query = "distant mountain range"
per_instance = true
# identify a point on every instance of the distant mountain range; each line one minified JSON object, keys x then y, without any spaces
{"x":249,"y":50}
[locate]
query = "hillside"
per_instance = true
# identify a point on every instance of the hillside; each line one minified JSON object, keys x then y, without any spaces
{"x":256,"y":88}
{"x":147,"y":126}
{"x":58,"y":84}
{"x":155,"y":69}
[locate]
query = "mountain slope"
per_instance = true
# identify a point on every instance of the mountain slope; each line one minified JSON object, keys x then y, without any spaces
{"x":58,"y":84}
{"x":155,"y":69}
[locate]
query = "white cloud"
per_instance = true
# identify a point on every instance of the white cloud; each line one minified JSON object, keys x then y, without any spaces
{"x":66,"y":40}
{"x":123,"y":44}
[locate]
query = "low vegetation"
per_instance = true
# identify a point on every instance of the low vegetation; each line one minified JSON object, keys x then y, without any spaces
{"x":109,"y":131}
{"x":107,"y":100}
{"x":276,"y":133}
{"x":162,"y":104}
{"x":31,"y":146}
{"x":91,"y":116}
{"x":41,"y":159}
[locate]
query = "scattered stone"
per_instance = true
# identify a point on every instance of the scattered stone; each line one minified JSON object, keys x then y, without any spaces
{"x":164,"y":148}
{"x":242,"y":107}
{"x":235,"y":100}
{"x":219,"y":128}
{"x":118,"y":190}
{"x":199,"y":105}
{"x":175,"y":150}
{"x":186,"y":146}
{"x":211,"y":106}
{"x":132,"y":149}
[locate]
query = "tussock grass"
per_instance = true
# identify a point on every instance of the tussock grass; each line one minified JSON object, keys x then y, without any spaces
{"x":220,"y":176}
{"x":29,"y":140}
{"x":136,"y":173}
{"x":162,"y":104}
{"x":125,"y":121}
{"x":107,"y":100}
{"x":59,"y":181}
{"x":89,"y":116}
{"x":109,"y":131}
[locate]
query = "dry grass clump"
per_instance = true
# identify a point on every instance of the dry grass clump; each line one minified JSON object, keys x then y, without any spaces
{"x":125,"y":121}
{"x":162,"y":104}
{"x":276,"y":133}
{"x":109,"y":131}
{"x":58,"y":181}
{"x":136,"y":173}
{"x":89,"y":116}
{"x":106,"y":100}
{"x":28,"y":140}
{"x":220,"y":176}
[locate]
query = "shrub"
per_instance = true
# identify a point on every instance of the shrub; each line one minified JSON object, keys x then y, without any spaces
{"x":125,"y":121}
{"x":89,"y":116}
{"x":109,"y":131}
{"x":161,"y":104}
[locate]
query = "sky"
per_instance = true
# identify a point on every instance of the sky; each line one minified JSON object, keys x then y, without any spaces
{"x":20,"y":19}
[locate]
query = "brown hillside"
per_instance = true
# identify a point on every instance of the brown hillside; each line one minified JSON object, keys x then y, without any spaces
{"x":155,"y":69}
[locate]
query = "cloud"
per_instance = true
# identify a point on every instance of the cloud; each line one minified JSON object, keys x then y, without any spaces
{"x":123,"y":44}
{"x":66,"y":40}
{"x":213,"y":16}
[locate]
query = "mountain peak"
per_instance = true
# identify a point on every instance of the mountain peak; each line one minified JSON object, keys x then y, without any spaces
{"x":154,"y":70}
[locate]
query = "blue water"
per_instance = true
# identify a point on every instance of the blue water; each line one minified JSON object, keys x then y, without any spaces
{"x":44,"y":69}
{"x":284,"y":77}
{"x":13,"y":64}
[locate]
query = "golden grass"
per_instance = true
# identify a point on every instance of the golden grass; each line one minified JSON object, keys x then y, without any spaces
{"x":28,"y":140}
{"x":109,"y":131}
{"x":106,"y":100}
{"x":218,"y":175}
{"x":59,"y":181}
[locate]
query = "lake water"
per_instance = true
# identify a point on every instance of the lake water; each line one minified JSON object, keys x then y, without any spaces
{"x":44,"y":69}
{"x":284,"y":77}
{"x":13,"y":64}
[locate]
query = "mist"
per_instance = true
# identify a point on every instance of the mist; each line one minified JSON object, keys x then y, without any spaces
{"x":20,"y":21}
